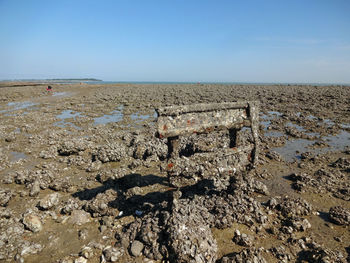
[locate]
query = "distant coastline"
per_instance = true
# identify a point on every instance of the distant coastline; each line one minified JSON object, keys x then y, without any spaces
{"x":52,"y":80}
{"x":83,"y":79}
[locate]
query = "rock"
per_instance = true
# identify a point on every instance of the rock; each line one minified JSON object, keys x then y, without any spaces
{"x":94,"y":166}
{"x":113,"y":254}
{"x":314,"y":252}
{"x":32,"y":222}
{"x":294,"y":207}
{"x":100,"y":205}
{"x":31,"y":249}
{"x":339,"y":215}
{"x":79,"y":217}
{"x":190,"y":237}
{"x":70,"y":205}
{"x":251,"y":255}
{"x":280,"y":253}
{"x":242,"y":239}
{"x":80,"y":260}
{"x":272,"y":155}
{"x":73,"y":146}
{"x":111,"y":152}
{"x":342,"y":163}
{"x":49,"y":201}
{"x":83,"y":234}
{"x":5,"y":197}
{"x":87,"y":252}
{"x":35,"y":188}
{"x":136,"y":248}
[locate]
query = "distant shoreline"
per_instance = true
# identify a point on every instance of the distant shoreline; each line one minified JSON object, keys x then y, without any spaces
{"x":98,"y":81}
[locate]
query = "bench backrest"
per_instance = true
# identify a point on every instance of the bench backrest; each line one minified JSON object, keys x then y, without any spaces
{"x":174,"y":121}
{"x":198,"y":118}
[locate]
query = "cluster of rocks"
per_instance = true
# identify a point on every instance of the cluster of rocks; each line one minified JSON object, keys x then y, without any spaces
{"x":323,"y":180}
{"x":84,"y":180}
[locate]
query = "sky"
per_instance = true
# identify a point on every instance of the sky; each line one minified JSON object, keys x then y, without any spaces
{"x":270,"y":41}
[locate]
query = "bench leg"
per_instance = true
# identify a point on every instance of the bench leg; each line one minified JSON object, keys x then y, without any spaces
{"x":233,"y":137}
{"x":173,"y":147}
{"x":254,"y":119}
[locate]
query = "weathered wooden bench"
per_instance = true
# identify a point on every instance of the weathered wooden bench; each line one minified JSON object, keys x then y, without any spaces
{"x":176,"y":121}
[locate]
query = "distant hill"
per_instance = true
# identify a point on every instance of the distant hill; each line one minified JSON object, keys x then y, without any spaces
{"x":83,"y":79}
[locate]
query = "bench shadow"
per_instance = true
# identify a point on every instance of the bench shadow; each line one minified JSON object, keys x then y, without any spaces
{"x":121,"y":184}
{"x":347,"y":249}
{"x":141,"y":204}
{"x":325,"y":217}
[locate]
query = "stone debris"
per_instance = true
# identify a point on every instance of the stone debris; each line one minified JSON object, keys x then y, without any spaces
{"x":111,"y":152}
{"x":323,"y":180}
{"x":73,"y":146}
{"x":75,"y":191}
{"x":100,"y":205}
{"x":316,"y":253}
{"x":5,"y":197}
{"x":112,"y":254}
{"x":246,"y":255}
{"x":190,"y":238}
{"x":339,"y":215}
{"x":243,"y":239}
{"x":291,"y":207}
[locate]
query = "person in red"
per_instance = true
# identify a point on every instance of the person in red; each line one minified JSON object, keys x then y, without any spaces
{"x":49,"y":88}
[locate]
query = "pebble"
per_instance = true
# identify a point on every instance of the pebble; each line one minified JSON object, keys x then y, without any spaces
{"x":136,"y":248}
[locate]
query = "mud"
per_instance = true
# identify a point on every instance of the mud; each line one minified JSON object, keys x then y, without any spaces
{"x":82,"y":177}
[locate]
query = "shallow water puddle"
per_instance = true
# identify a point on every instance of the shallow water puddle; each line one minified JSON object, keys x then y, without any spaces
{"x":61,"y":94}
{"x":265,"y":119}
{"x":312,"y":118}
{"x":275,"y":113}
{"x":18,"y":106}
{"x":139,"y":117}
{"x":16,"y":156}
{"x":294,"y":148}
{"x":67,"y":114}
{"x":115,"y":116}
{"x":328,"y":122}
{"x":296,"y":126}
{"x":273,"y":134}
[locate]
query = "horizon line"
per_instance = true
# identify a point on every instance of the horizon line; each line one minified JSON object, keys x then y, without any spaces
{"x":175,"y":82}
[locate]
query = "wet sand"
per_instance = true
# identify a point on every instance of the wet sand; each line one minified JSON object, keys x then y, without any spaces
{"x":83,"y":166}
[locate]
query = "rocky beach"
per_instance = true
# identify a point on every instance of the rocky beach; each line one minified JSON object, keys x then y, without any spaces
{"x":83,"y":176}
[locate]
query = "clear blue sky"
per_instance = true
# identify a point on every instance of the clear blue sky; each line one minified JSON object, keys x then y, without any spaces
{"x":177,"y":40}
